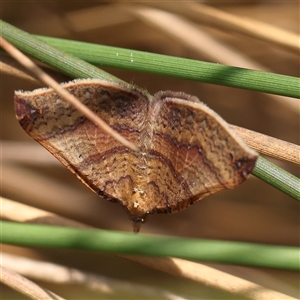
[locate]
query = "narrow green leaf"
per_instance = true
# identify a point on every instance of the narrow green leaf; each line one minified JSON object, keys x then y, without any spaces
{"x":33,"y":235}
{"x":180,"y":67}
{"x":277,"y":177}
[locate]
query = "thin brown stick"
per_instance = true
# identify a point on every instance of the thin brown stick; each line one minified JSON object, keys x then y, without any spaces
{"x":43,"y":271}
{"x":264,"y":144}
{"x":32,"y":153}
{"x":175,"y":266}
{"x":44,"y":77}
{"x":25,"y":286}
{"x":211,"y":277}
{"x":19,"y":212}
{"x":99,"y":17}
{"x":268,"y":145}
{"x":224,"y":20}
{"x":8,"y":69}
{"x":185,"y":31}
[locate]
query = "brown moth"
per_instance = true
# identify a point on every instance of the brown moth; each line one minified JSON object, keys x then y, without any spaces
{"x":187,"y":152}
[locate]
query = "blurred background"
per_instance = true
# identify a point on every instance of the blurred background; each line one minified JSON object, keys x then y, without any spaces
{"x":253,"y":212}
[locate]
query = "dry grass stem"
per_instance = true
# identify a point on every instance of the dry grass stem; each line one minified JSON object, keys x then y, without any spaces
{"x":35,"y":188}
{"x":32,"y":153}
{"x":264,"y":144}
{"x":98,"y":17}
{"x":11,"y":67}
{"x":18,"y":212}
{"x":175,"y":266}
{"x":43,"y":271}
{"x":269,"y":146}
{"x":201,"y":42}
{"x":248,"y":26}
{"x":223,"y":20}
{"x":25,"y":286}
{"x":44,"y":77}
{"x":7,"y":69}
{"x":211,"y":277}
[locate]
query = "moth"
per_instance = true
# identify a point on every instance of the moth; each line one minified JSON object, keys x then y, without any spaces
{"x":186,"y":151}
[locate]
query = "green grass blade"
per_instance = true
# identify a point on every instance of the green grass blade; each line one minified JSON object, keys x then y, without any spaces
{"x":277,"y":177}
{"x":180,"y":67}
{"x":33,"y":235}
{"x":51,"y":56}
